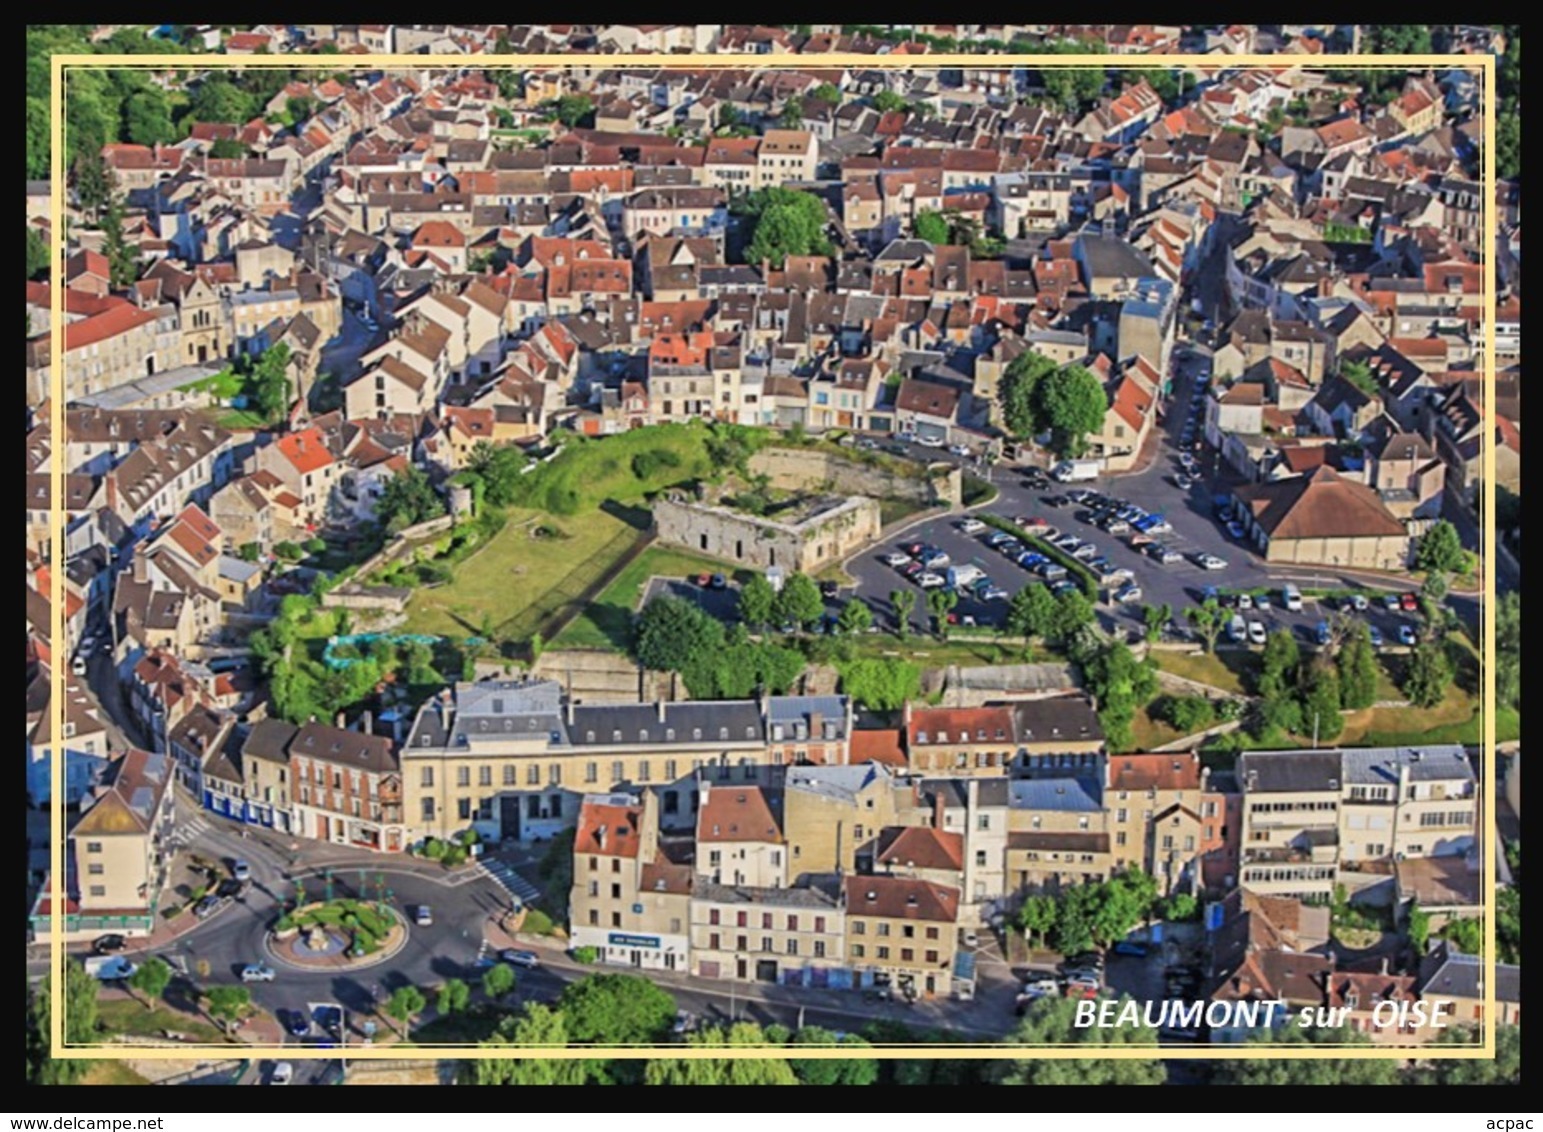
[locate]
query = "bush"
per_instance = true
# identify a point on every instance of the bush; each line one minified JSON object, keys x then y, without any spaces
{"x":586,"y":955}
{"x":646,"y":465}
{"x":455,"y":855}
{"x":468,"y":837}
{"x":288,"y":551}
{"x":1186,"y":714}
{"x":316,"y":546}
{"x":538,"y":922}
{"x":434,"y":849}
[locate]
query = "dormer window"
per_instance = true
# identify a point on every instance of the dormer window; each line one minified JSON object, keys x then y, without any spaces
{"x":643,"y":735}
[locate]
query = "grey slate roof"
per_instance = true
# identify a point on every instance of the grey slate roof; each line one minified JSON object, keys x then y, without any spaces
{"x":1068,"y":795}
{"x":1289,"y":772}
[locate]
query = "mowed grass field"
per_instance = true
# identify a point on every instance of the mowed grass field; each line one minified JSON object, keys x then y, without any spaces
{"x":607,"y":622}
{"x":516,"y":570}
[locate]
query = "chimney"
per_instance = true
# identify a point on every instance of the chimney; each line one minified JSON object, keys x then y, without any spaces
{"x":341,"y":721}
{"x":660,"y":706}
{"x":368,"y":722}
{"x":816,"y":725}
{"x":937,"y":810}
{"x":600,"y":837}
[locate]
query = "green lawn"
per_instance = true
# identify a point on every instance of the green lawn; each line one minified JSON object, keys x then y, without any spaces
{"x":238,"y":419}
{"x":895,"y":510}
{"x":1221,"y":670}
{"x":1147,"y":734}
{"x":125,"y":1016}
{"x":607,"y":623}
{"x":517,"y":572}
{"x":930,"y":652}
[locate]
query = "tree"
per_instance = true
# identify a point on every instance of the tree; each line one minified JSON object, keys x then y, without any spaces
{"x":1397,"y":39}
{"x":1320,"y":703}
{"x":1356,"y":663}
{"x":1417,"y":928}
{"x":122,"y":257}
{"x":1051,"y":1021}
{"x":882,"y":684}
{"x":940,"y":601}
{"x":1505,"y":1069}
{"x":785,"y":222}
{"x":756,"y":600}
{"x":1179,"y":907}
{"x":1032,"y":611}
{"x":903,"y":602}
{"x":226,"y":149}
{"x":1466,"y":935}
{"x":1208,"y":620}
{"x":408,"y":499}
{"x":1073,"y":610}
{"x":299,"y":109}
{"x":498,"y":980}
{"x":1019,"y":393}
{"x":1072,"y":404}
{"x":931,"y":226}
{"x":94,"y":184}
{"x":269,"y":382}
{"x":453,"y":997}
{"x":571,"y":109}
{"x":227,"y":1004}
{"x":80,"y":991}
{"x":792,"y":115}
{"x":672,"y":632}
{"x":798,"y":601}
{"x":150,"y":979}
{"x":499,"y":468}
{"x":747,"y":1071}
{"x":1120,"y":684}
{"x":855,"y":617}
{"x":1440,"y":549}
{"x":147,"y":118}
{"x":1187,"y":714}
{"x":1299,"y":1071}
{"x":1038,"y":916}
{"x":1360,"y":375}
{"x":856,"y":1070}
{"x":405,"y":1004}
{"x":218,"y":99}
{"x":1508,"y":649}
{"x":1156,"y":618}
{"x":1278,"y":665}
{"x":886,"y":100}
{"x":1428,"y":674}
{"x":616,"y":1010}
{"x":37,"y":255}
{"x":535,"y":1027}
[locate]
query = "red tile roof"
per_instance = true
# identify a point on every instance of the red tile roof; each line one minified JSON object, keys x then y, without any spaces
{"x":606,"y":830}
{"x":738,"y":814}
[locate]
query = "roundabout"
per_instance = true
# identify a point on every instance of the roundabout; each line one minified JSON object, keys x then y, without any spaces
{"x":337,"y":935}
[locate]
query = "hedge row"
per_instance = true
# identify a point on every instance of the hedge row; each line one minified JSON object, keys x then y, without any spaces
{"x":1074,"y":568}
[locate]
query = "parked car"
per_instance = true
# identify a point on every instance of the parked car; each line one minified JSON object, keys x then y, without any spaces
{"x":1128,"y":593}
{"x":685,"y":1022}
{"x":518,"y":958}
{"x":1374,"y":635}
{"x":960,"y":450}
{"x":424,"y":916}
{"x":927,"y":580}
{"x":971,"y":525}
{"x":1082,"y":988}
{"x":912,"y":570}
{"x":295,"y":1023}
{"x":1321,"y":633}
{"x":1032,"y":523}
{"x":1183,"y":483}
{"x":1235,"y":529}
{"x":896,"y":558}
{"x":1011,"y":548}
{"x":992,"y":593}
{"x":1390,"y":603}
{"x":718,"y":582}
{"x":1407,"y":636}
{"x":1256,"y":633}
{"x":1359,"y":603}
{"x":1409,"y":603}
{"x":1261,"y":601}
{"x":829,"y":589}
{"x":1211,"y":562}
{"x":1133,"y":948}
{"x":1115,"y":525}
{"x":1067,"y":542}
{"x":1085,"y":552}
{"x":1050,"y":571}
{"x":913,"y":548}
{"x":935,"y":559}
{"x":1065,"y":585}
{"x":241,"y":870}
{"x":257,"y":973}
{"x":283,"y":1073}
{"x":1245,"y":601}
{"x":108,"y":944}
{"x":930,"y":441}
{"x":206,"y":907}
{"x":1040,"y":986}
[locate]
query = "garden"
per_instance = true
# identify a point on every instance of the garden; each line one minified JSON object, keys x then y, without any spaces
{"x":332,"y":929}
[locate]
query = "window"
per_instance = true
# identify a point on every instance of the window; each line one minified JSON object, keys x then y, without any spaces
{"x":932,"y":933}
{"x":96,"y":870}
{"x":463,"y":776}
{"x":591,"y":772}
{"x":766,"y":943}
{"x":93,"y":847}
{"x":426,"y":776}
{"x":616,"y":864}
{"x":712,"y":916}
{"x":463,"y":809}
{"x":618,"y":771}
{"x":594,"y":888}
{"x":532,"y":775}
{"x":616,"y":919}
{"x":792,"y":947}
{"x":644,"y":773}
{"x":741,"y":919}
{"x":428,"y":809}
{"x":932,"y":957}
{"x":670,"y":773}
{"x":859,"y":927}
{"x":857,"y":950}
{"x":615,"y":892}
{"x":713,"y":940}
{"x":554,"y":774}
{"x":766,"y":921}
{"x":819,"y":924}
{"x":484,"y":776}
{"x":98,"y":890}
{"x":883,"y":928}
{"x":594,"y":864}
{"x":883,"y":953}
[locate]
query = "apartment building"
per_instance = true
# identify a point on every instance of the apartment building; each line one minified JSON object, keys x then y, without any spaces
{"x":902,"y":928}
{"x":1057,"y":835}
{"x":347,"y":788}
{"x":1291,"y":803}
{"x":832,"y":816}
{"x":792,"y":936}
{"x":118,"y":847}
{"x":1154,"y":804}
{"x":739,"y":836}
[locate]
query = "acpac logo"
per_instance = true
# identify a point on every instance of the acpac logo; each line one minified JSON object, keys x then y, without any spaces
{"x":1522,"y":1125}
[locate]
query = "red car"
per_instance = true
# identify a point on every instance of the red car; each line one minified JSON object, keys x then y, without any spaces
{"x":1081,"y":990}
{"x":1409,"y":603}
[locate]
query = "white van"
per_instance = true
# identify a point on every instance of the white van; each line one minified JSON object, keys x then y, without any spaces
{"x":1292,"y":597}
{"x":1237,"y":630}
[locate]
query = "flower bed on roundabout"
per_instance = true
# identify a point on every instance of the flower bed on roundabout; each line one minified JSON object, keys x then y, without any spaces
{"x":338,"y":934}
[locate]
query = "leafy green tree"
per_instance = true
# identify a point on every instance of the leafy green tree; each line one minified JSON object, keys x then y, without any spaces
{"x":931,"y":226}
{"x":39,"y":139}
{"x":227,"y":148}
{"x":1032,"y":611}
{"x":1156,"y":618}
{"x":785,"y":222}
{"x":269,"y":383}
{"x":499,"y":467}
{"x":882,"y":684}
{"x":150,"y":979}
{"x":1187,"y":714}
{"x":1120,"y":684}
{"x":856,"y":1070}
{"x":1417,"y":928}
{"x":1320,"y":703}
{"x":1508,"y":923}
{"x":408,"y":499}
{"x":37,"y":255}
{"x":1360,"y":375}
{"x":1072,"y":404}
{"x":1428,"y":674}
{"x":1440,"y":549}
{"x":1051,"y":1021}
{"x":756,"y":600}
{"x":886,"y":100}
{"x":454,"y":996}
{"x":1038,"y":916}
{"x":672,"y":632}
{"x":1019,"y":393}
{"x":536,"y":1026}
{"x":94,"y":184}
{"x":1296,"y":1071}
{"x":1397,"y":39}
{"x":1466,"y":935}
{"x":1508,"y":143}
{"x":498,"y":980}
{"x":218,"y":99}
{"x":299,"y":109}
{"x":1357,"y":666}
{"x":405,"y":1004}
{"x":122,"y":257}
{"x":855,"y":616}
{"x":798,"y":601}
{"x":1278,"y":666}
{"x":903,"y":602}
{"x":1180,"y":907}
{"x":147,"y":118}
{"x":1508,"y":649}
{"x":1208,"y":619}
{"x":1505,"y":1069}
{"x":746,"y":1071}
{"x":227,"y":1004}
{"x":616,"y":1010}
{"x":80,"y":1014}
{"x":940,"y":602}
{"x":572,"y":109}
{"x":826,"y":92}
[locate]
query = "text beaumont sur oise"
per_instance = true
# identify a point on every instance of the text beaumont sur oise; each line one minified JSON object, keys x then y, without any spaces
{"x":1172,"y":1014}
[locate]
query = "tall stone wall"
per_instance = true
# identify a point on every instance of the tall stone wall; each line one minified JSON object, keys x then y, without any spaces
{"x":803,"y":469}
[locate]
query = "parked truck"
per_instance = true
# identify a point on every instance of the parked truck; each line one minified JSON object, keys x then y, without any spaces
{"x":964,"y":576}
{"x":109,"y":968}
{"x":1076,"y":471}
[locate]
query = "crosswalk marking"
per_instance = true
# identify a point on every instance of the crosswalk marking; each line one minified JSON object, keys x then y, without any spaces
{"x":511,"y":881}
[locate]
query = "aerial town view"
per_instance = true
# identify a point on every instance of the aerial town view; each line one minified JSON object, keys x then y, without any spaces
{"x":823,"y":548}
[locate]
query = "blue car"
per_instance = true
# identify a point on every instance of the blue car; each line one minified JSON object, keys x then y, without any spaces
{"x":1209,"y":593}
{"x":1322,"y":632}
{"x":1374,"y":634}
{"x":1030,"y":559}
{"x":1131,"y":948}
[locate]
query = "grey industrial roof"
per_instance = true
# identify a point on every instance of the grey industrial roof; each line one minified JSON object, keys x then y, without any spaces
{"x":1380,"y":765}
